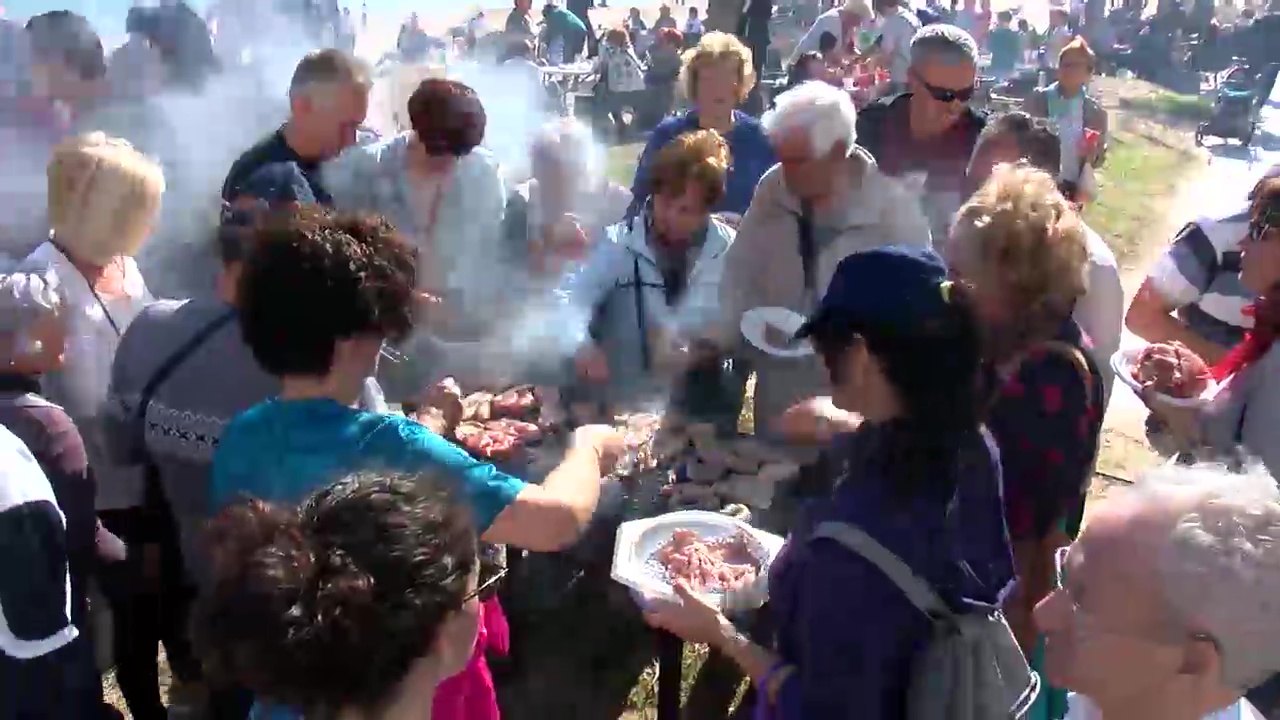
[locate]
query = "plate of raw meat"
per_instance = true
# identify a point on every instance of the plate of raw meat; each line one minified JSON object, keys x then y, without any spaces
{"x":720,"y":557}
{"x":1176,"y":374}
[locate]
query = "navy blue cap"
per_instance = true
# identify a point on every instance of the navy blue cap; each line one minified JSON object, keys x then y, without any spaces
{"x":896,"y":286}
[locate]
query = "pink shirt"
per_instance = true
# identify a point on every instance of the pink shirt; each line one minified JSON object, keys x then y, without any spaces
{"x":470,"y":694}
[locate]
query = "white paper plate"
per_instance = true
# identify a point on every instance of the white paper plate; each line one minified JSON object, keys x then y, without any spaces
{"x":1123,"y":362}
{"x":789,"y":321}
{"x":638,"y":540}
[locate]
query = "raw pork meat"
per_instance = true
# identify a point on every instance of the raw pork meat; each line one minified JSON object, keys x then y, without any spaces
{"x":711,"y":565}
{"x":1172,"y":369}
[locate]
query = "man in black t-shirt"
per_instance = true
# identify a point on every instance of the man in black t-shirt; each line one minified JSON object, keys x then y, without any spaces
{"x":328,"y":100}
{"x":930,"y":131}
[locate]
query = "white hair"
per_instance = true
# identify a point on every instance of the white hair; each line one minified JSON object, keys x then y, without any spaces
{"x":1220,"y":564}
{"x":857,"y":7}
{"x":26,"y":298}
{"x":571,"y":142}
{"x":826,"y":112}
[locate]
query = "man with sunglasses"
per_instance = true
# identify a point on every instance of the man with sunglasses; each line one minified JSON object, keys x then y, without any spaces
{"x":328,"y":101}
{"x":928,"y":133}
{"x":1165,"y":605}
{"x":1193,"y":294}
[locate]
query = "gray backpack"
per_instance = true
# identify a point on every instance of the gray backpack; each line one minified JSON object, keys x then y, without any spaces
{"x":972,"y":668}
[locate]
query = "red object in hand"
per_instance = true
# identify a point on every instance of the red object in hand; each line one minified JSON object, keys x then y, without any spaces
{"x":1089,"y":143}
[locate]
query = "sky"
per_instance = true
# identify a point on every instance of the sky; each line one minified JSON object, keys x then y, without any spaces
{"x":108,"y":15}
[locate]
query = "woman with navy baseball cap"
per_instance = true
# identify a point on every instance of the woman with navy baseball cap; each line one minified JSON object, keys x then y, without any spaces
{"x":903,"y":351}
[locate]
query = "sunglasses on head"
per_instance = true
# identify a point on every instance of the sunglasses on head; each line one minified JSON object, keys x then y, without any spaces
{"x":947,"y":95}
{"x":1268,"y":218}
{"x":486,"y":589}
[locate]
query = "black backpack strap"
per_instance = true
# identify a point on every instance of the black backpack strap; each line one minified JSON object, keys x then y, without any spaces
{"x":646,"y":353}
{"x":808,"y":255}
{"x":163,"y":373}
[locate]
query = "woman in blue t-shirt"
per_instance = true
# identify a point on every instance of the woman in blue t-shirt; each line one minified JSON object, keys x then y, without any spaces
{"x":320,"y":292}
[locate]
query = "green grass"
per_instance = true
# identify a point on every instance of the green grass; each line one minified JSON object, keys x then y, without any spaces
{"x":1134,"y":188}
{"x":620,"y":162}
{"x":1170,"y":105}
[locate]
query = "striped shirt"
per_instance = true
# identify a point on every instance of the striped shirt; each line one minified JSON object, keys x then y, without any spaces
{"x":1200,"y":276}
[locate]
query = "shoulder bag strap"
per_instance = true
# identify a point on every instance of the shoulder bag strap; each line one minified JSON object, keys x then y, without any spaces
{"x":857,"y":541}
{"x":88,"y":283}
{"x":166,"y":370}
{"x":1076,"y":358}
{"x":808,"y":252}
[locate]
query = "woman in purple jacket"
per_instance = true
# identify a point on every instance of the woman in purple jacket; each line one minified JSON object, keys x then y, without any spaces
{"x":921,"y":476}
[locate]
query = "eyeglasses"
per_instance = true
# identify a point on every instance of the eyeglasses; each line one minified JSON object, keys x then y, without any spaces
{"x":1060,"y":578}
{"x":483,"y":588}
{"x":947,"y":95}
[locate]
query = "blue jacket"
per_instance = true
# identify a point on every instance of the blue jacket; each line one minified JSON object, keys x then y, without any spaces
{"x":750,"y":153}
{"x":620,"y":288}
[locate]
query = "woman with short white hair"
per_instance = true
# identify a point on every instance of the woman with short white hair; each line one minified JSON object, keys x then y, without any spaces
{"x":1165,"y":605}
{"x":104,"y":198}
{"x":568,"y":200}
{"x":825,"y":199}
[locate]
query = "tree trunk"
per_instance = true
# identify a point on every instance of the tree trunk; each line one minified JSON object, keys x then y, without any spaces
{"x":724,"y":15}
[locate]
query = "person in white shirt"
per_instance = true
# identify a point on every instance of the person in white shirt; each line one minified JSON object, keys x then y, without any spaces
{"x":1019,"y":137}
{"x":1165,"y":606}
{"x":46,"y":668}
{"x":898,"y":25}
{"x":841,"y":22}
{"x":104,"y":199}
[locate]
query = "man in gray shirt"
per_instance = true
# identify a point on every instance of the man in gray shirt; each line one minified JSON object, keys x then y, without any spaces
{"x":189,"y":361}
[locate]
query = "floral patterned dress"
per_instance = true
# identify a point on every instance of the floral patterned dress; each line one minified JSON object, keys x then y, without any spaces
{"x":1046,"y":419}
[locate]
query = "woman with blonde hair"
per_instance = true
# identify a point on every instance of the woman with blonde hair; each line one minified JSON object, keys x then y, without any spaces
{"x":650,"y":292}
{"x":1020,"y":245}
{"x":716,"y":76}
{"x":104,"y":197}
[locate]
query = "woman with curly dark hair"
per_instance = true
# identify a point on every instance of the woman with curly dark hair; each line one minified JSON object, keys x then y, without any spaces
{"x":445,"y":194}
{"x":319,"y":294}
{"x":356,"y":604}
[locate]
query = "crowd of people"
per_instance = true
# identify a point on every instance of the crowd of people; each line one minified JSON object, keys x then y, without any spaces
{"x":255,"y":477}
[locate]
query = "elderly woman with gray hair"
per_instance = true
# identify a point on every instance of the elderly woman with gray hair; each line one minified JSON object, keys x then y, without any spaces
{"x":1164,"y":607}
{"x":567,"y":202}
{"x":62,"y":682}
{"x":928,"y":133}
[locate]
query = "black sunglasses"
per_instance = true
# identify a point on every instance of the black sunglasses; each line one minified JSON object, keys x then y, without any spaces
{"x":947,"y":95}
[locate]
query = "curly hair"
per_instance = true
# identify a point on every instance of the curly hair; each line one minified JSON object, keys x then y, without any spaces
{"x":314,"y":276}
{"x":670,"y":36}
{"x":1021,"y":227}
{"x":700,"y":157}
{"x":329,"y":605}
{"x":447,"y":117}
{"x":717,"y":47}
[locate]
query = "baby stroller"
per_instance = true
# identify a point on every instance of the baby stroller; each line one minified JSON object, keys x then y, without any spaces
{"x":1235,"y":109}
